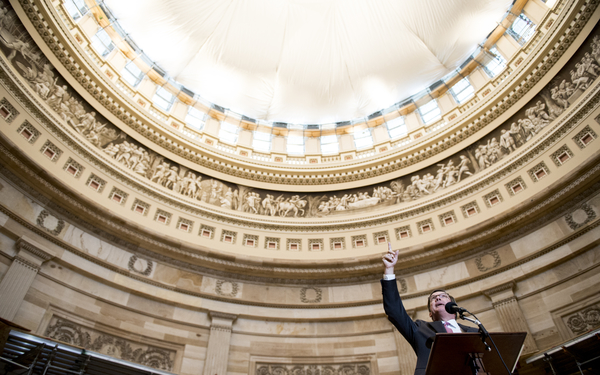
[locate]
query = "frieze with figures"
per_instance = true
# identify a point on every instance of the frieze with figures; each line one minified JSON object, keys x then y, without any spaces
{"x":562,"y":91}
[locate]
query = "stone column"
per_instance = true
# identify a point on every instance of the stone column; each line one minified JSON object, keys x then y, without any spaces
{"x":20,"y":275}
{"x":509,"y":313}
{"x":217,"y":353}
{"x":407,"y":359}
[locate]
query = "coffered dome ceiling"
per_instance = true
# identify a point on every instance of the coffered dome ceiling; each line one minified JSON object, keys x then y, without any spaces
{"x":306,"y":61}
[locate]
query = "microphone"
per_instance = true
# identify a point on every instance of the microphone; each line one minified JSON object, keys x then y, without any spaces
{"x":452,"y":308}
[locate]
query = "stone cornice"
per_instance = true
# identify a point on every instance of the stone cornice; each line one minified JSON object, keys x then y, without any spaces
{"x":62,"y":45}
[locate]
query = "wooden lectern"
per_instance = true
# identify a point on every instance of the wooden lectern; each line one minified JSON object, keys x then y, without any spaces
{"x":466,"y":354}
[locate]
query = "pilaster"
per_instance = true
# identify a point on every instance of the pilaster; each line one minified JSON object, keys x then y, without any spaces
{"x":509,"y":313}
{"x":19,"y":277}
{"x":217,"y":352}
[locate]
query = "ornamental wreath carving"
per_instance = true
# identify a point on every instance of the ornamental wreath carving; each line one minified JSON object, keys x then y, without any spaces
{"x":575,"y":221}
{"x":137,"y":265}
{"x":226,"y":288}
{"x":487,"y":261}
{"x":117,"y":347}
{"x":50,"y":223}
{"x":311,"y":295}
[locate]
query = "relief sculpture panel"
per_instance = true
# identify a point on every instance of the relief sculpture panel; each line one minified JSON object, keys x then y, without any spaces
{"x":74,"y":334}
{"x":316,"y":369}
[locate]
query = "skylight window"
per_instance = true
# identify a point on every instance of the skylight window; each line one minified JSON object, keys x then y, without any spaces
{"x":521,"y":29}
{"x":430,"y":112}
{"x":228,"y":133}
{"x":396,"y":127}
{"x":102,"y":43}
{"x":132,"y":74}
{"x":195,"y":118}
{"x":330,"y":144}
{"x":261,"y":141}
{"x":363,"y":139}
{"x":462,"y":91}
{"x":496,"y":64}
{"x":76,"y":8}
{"x":163,"y":99}
{"x":295,"y":145}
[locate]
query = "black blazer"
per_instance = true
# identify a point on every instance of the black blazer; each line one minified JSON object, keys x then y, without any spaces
{"x":418,"y":333}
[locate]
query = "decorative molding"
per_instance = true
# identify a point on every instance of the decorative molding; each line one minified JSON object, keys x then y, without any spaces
{"x":511,"y":285}
{"x":162,"y":213}
{"x":222,"y":315}
{"x":471,"y":205}
{"x":26,"y":125}
{"x":562,"y":150}
{"x":56,"y":152}
{"x":100,"y":181}
{"x":12,"y":111}
{"x":315,"y":241}
{"x":228,"y":234}
{"x":144,"y":205}
{"x":337,"y":240}
{"x":380,"y":234}
{"x":76,"y":165}
{"x":206,"y":228}
{"x":504,"y":302}
{"x":185,"y":222}
{"x":403,"y":230}
{"x":578,"y":138}
{"x":356,"y":240}
{"x":489,"y":196}
{"x":513,"y":186}
{"x":119,"y":192}
{"x":27,"y":264}
{"x":427,"y":223}
{"x":535,"y":171}
{"x":272,"y":240}
{"x":250,"y":237}
{"x":293,"y":244}
{"x":447,"y":218}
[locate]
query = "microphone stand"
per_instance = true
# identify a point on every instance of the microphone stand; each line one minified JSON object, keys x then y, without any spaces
{"x":484,"y":334}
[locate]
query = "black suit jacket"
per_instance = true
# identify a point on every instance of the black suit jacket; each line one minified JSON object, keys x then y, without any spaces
{"x":418,"y":333}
